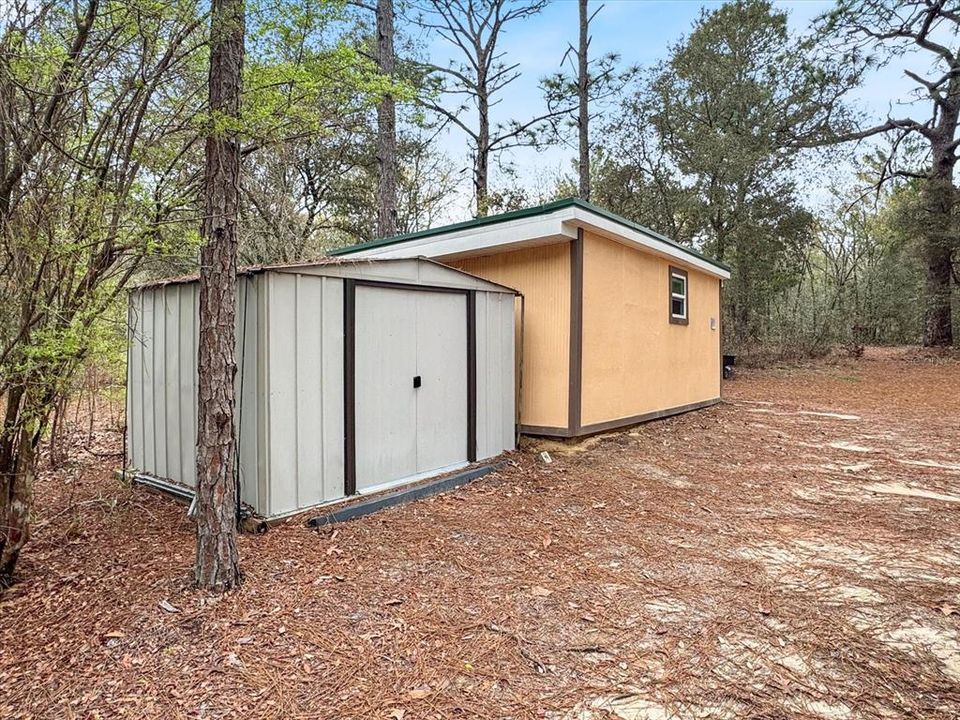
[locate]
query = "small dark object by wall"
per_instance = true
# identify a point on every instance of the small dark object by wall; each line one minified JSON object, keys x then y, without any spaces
{"x":250,"y":522}
{"x":728,"y":362}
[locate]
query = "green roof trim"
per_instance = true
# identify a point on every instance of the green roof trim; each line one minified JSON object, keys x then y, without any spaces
{"x":519,"y":215}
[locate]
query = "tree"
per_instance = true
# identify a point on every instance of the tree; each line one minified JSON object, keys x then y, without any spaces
{"x":888,"y":29}
{"x":583,"y":100}
{"x":718,"y":128}
{"x":95,"y":130}
{"x":591,"y":81}
{"x":473,"y":28}
{"x":386,"y":127}
{"x":217,"y":563}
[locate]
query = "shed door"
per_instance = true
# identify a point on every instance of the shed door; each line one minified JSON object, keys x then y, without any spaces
{"x":406,"y":427}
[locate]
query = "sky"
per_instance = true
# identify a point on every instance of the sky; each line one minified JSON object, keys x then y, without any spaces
{"x":641,"y":32}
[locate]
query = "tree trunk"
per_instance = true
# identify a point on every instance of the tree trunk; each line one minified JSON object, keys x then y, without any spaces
{"x":583,"y":85}
{"x":938,"y":246}
{"x":481,"y":169}
{"x":18,"y":446}
{"x":217,"y":564}
{"x":386,"y":127}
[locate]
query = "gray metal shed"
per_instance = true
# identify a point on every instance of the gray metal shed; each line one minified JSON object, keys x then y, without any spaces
{"x":353,"y":376}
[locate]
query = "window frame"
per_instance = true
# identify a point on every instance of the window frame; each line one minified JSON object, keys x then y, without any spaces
{"x":675,"y":272}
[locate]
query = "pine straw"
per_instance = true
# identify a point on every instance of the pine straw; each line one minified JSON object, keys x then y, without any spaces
{"x":723,"y":563}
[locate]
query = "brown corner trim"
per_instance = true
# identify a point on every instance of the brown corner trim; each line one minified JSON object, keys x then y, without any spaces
{"x":645,"y":417}
{"x":472,"y":376}
{"x":673,"y":270}
{"x":546,"y":431}
{"x":575,"y":384}
{"x":720,"y":329}
{"x":349,"y":387}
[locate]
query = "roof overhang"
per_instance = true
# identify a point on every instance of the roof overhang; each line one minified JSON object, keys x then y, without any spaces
{"x":558,"y":224}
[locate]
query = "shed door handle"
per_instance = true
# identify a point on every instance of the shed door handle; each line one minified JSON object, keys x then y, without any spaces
{"x":416,"y":381}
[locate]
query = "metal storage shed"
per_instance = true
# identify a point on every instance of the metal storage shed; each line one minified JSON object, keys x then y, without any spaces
{"x":353,"y":376}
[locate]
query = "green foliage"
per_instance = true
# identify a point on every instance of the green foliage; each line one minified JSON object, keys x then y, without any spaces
{"x":306,"y":70}
{"x":707,"y":150}
{"x":862,"y":280}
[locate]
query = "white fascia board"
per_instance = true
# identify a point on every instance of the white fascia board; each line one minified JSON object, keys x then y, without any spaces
{"x":558,"y":225}
{"x":615,"y":231}
{"x":469,"y":240}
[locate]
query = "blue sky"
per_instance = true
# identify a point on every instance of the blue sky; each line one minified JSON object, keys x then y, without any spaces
{"x":641,"y":31}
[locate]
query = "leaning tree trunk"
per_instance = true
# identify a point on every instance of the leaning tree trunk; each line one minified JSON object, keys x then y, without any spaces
{"x":217,"y":563}
{"x":583,"y":86}
{"x":386,"y":127}
{"x":939,"y":242}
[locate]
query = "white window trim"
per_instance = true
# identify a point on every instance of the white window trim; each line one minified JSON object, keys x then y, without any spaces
{"x":679,"y":296}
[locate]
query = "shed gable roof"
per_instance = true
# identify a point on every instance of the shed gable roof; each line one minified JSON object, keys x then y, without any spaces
{"x":416,"y":270}
{"x":559,"y":218}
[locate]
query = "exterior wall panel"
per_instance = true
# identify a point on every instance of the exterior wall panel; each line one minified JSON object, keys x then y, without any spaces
{"x":248,"y":389}
{"x":542,"y":274}
{"x":496,"y":397}
{"x":150,"y":349}
{"x":304,"y":359}
{"x":634,"y":360}
{"x":162,"y":390}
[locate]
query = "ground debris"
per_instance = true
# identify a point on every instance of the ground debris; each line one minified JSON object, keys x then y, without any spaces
{"x":704,"y":566}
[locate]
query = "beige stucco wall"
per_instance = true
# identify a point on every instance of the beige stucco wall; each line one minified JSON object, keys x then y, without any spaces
{"x":542,"y":274}
{"x":634,"y":360}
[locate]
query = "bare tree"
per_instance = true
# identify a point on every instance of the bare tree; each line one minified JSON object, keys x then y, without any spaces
{"x":590,"y":82}
{"x":583,"y":100}
{"x":217,"y":563}
{"x":386,"y":127}
{"x":928,"y":27}
{"x":474,"y":28}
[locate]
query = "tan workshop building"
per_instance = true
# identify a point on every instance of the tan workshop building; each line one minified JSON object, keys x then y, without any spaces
{"x":620,"y":324}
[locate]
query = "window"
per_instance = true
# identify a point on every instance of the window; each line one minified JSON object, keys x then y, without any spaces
{"x":678,"y":296}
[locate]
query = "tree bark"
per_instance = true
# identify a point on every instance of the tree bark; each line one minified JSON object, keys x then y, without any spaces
{"x":940,"y":226}
{"x":217,"y":564}
{"x":18,"y":446}
{"x":583,"y":86}
{"x":386,"y":127}
{"x":481,"y":170}
{"x":938,"y":246}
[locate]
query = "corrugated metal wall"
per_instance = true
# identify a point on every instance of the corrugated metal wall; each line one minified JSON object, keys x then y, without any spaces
{"x":496,"y":388}
{"x":290,"y":389}
{"x":303,"y":372}
{"x":162,"y":383}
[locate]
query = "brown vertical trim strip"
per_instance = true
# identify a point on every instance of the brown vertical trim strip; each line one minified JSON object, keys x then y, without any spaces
{"x":575,"y":387}
{"x":472,"y":376}
{"x":720,"y":329}
{"x":349,"y":387}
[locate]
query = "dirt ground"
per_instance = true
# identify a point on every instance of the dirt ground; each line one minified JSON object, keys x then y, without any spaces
{"x":792,"y":552}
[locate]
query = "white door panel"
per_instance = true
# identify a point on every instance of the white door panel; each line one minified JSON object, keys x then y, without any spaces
{"x":442,"y":366}
{"x":403,"y":430}
{"x":386,"y":361}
